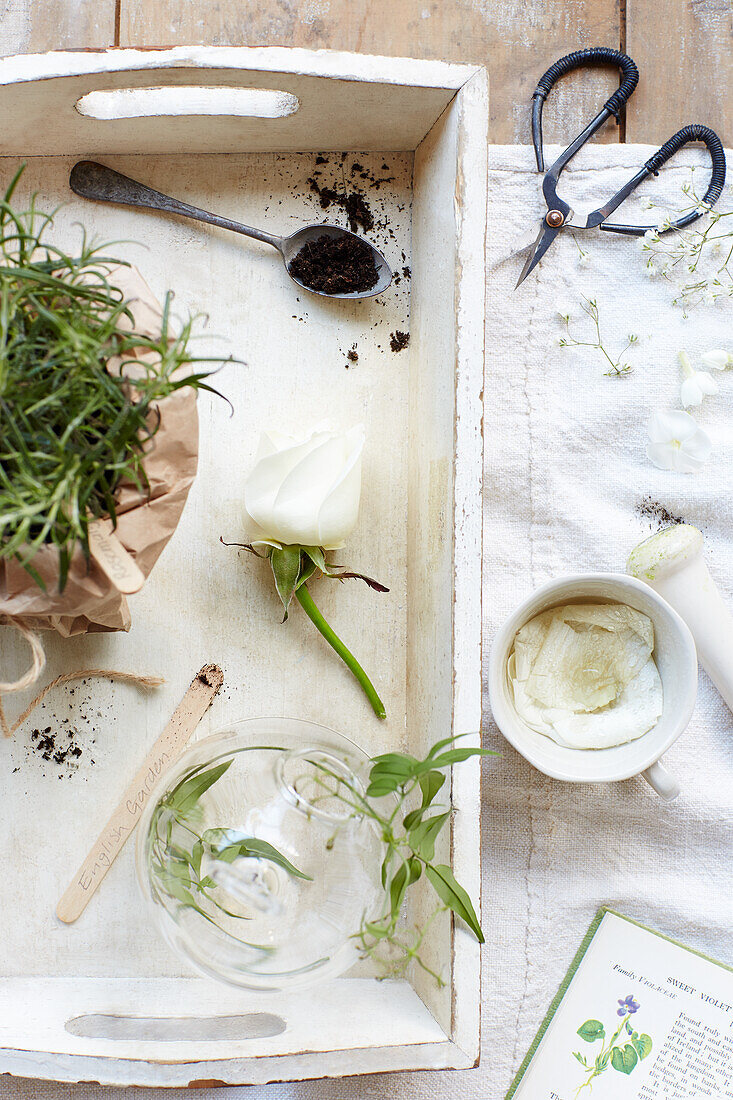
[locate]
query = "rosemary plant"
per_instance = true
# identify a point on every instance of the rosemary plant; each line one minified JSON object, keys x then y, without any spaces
{"x":70,"y":429}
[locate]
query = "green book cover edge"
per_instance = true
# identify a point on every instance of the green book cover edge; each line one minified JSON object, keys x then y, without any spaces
{"x":577,"y":959}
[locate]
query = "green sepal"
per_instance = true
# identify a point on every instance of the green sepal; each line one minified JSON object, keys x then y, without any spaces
{"x":285,"y":564}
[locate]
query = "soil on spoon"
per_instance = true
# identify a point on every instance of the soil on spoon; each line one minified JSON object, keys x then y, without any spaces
{"x":336,"y":265}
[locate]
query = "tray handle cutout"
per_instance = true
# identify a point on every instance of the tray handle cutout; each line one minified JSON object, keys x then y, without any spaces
{"x":111,"y":104}
{"x":174,"y":1029}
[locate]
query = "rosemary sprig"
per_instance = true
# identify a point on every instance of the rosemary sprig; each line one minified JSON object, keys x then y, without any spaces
{"x":70,"y":429}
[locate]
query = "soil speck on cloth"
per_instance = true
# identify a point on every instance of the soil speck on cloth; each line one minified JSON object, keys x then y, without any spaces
{"x":656,"y":513}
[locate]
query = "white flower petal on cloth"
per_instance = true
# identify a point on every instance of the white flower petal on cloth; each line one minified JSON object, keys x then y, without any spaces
{"x":717,"y":359}
{"x":677,"y":442}
{"x":700,"y":384}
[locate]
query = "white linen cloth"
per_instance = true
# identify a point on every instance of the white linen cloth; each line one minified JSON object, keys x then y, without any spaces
{"x":566,"y":473}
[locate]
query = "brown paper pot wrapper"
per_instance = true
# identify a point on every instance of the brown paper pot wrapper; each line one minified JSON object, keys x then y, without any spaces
{"x":89,"y":602}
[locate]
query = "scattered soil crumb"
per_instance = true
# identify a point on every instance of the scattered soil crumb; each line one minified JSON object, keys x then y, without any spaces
{"x":657,"y":515}
{"x":354,"y":205}
{"x":55,"y":747}
{"x":398,"y":341}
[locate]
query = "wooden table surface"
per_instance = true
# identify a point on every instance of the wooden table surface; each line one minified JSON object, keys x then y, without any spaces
{"x":684,"y":48}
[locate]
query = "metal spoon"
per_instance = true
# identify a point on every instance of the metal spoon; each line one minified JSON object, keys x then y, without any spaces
{"x":95,"y":181}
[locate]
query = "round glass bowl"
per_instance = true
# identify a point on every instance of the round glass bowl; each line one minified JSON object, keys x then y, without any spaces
{"x":255,"y":858}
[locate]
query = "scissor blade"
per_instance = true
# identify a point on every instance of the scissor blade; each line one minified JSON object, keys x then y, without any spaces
{"x":544,"y":239}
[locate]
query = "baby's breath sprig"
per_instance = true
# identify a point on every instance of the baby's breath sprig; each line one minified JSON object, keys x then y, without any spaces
{"x":589,"y":306}
{"x":697,"y":261}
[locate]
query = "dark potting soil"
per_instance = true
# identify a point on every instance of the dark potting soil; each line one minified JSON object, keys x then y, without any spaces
{"x":336,"y":265}
{"x":398,"y":341}
{"x":352,"y":203}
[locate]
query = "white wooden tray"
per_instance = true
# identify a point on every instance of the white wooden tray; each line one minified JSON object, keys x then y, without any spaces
{"x":104,"y":999}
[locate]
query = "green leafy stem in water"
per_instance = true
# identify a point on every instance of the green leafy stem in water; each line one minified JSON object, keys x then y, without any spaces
{"x":177,"y":867}
{"x":623,"y":1052}
{"x":291,"y":567}
{"x":409,"y":837}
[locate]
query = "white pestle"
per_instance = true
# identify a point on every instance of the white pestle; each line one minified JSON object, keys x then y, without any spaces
{"x":672,"y":563}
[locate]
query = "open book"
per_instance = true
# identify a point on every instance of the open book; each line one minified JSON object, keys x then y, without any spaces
{"x":638,"y":1017}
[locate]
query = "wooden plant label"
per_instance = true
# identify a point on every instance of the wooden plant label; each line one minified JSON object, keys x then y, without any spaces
{"x":112,"y":558}
{"x":165,"y":751}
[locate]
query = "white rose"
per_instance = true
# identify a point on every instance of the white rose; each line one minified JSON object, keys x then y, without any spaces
{"x":306,"y":492}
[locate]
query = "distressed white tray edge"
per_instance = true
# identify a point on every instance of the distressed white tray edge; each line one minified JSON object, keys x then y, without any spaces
{"x":291,"y":60}
{"x":468,"y":526}
{"x":470,"y":85}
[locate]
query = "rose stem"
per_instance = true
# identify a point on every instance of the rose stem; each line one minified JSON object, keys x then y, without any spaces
{"x":305,"y":600}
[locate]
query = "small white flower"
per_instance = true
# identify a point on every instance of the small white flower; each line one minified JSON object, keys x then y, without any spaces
{"x":650,"y":270}
{"x":584,"y":259}
{"x":717,"y":359}
{"x":642,"y":244}
{"x":700,"y":384}
{"x":652,"y":236}
{"x":676,"y":442}
{"x":564,"y":310}
{"x":708,"y":296}
{"x":697,"y":383}
{"x":647,"y":204}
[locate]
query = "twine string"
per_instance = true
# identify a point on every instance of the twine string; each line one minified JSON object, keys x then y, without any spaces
{"x":36,"y":668}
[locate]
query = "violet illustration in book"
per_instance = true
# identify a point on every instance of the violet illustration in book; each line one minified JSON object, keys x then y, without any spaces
{"x":623,"y":1051}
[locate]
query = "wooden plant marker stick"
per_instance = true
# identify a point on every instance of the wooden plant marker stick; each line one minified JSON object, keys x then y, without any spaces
{"x":167,"y":748}
{"x":112,"y":558}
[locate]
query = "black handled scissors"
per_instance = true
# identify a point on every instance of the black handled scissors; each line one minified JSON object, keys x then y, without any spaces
{"x":559,"y":215}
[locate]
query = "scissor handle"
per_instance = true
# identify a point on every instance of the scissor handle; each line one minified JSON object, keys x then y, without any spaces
{"x":594,"y":55}
{"x":694,"y":132}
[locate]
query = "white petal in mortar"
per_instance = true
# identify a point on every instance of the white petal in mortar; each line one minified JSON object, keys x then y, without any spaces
{"x":568,"y":658}
{"x":590,"y":652}
{"x":636,"y":711}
